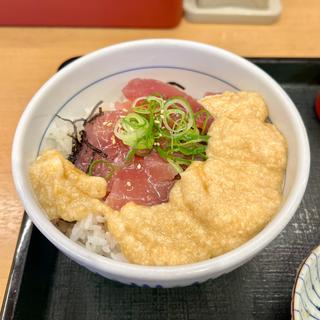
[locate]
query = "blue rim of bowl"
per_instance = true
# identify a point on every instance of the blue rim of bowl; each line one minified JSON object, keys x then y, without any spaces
{"x":122,"y":72}
{"x":298,"y":278}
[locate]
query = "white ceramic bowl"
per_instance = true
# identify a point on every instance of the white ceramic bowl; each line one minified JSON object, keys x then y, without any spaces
{"x":200,"y":68}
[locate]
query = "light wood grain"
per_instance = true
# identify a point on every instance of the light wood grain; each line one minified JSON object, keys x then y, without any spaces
{"x":29,"y":56}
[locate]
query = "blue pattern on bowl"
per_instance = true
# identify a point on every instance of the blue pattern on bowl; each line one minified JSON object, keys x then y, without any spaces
{"x":306,"y":293}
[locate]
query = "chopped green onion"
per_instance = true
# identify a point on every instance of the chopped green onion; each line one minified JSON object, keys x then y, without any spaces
{"x":130,"y":154}
{"x":168,"y":126}
{"x":149,"y":105}
{"x":175,"y":165}
{"x":133,"y":130}
{"x":185,"y":119}
{"x":205,"y":122}
{"x":94,"y":163}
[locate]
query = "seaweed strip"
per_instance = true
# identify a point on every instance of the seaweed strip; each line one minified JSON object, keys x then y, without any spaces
{"x":92,"y":114}
{"x":176,"y":84}
{"x":73,"y":122}
{"x":79,"y":138}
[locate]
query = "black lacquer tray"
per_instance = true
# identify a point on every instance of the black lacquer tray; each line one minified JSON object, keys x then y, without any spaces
{"x":45,"y":284}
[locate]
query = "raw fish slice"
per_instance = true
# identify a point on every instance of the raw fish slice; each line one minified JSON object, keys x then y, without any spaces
{"x":146,"y":181}
{"x":99,"y":135}
{"x":144,"y":87}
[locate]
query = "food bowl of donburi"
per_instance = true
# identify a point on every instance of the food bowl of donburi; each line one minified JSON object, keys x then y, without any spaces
{"x":161,"y":162}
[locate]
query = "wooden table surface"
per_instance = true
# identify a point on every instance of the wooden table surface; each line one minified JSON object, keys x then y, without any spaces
{"x":29,"y":56}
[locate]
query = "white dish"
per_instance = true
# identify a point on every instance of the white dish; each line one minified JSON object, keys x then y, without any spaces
{"x":199,"y":67}
{"x":306,"y":291}
{"x":224,"y":11}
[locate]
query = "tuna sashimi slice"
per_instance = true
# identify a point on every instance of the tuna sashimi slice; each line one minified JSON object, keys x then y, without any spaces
{"x":123,"y":106}
{"x":143,"y":87}
{"x":146,"y":181}
{"x":157,"y":168}
{"x":99,"y":134}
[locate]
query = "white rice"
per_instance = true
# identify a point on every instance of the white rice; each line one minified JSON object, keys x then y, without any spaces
{"x":58,"y":137}
{"x":90,"y":232}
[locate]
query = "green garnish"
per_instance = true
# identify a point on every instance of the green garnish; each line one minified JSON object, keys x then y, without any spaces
{"x":94,"y":163}
{"x":135,"y":130}
{"x":168,"y":126}
{"x":207,"y":117}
